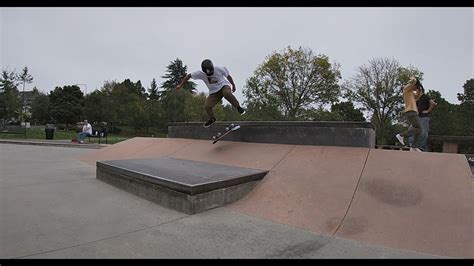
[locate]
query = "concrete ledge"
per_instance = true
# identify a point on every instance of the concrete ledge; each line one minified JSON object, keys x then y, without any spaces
{"x":348,"y":134}
{"x":186,"y":186}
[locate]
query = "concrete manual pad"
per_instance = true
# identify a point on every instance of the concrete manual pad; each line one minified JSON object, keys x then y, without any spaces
{"x":186,"y":186}
{"x":186,"y":176}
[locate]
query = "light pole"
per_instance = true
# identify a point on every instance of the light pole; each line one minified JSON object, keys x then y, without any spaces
{"x":85,"y":91}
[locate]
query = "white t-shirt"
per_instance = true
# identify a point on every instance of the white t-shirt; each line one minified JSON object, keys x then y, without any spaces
{"x":87,"y":128}
{"x":214,"y":82}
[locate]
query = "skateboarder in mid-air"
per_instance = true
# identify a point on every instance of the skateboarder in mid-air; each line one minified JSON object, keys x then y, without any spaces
{"x":218,"y":81}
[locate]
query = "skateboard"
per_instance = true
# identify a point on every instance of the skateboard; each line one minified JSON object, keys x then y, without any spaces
{"x":230,"y":128}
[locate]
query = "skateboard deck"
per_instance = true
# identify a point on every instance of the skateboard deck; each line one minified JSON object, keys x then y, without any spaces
{"x":229,"y":129}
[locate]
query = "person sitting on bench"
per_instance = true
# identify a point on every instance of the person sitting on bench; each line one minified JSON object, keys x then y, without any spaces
{"x":86,"y":131}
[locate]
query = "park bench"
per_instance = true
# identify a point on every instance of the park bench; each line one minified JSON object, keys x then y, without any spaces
{"x":100,"y":134}
{"x":13,"y":129}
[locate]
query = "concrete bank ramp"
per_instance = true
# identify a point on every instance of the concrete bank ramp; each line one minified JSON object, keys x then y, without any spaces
{"x":414,"y":201}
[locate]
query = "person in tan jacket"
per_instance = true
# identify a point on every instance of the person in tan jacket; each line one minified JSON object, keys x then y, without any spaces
{"x":411,"y":93}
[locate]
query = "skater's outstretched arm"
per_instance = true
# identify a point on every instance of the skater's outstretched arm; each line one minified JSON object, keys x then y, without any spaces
{"x":185,"y":79}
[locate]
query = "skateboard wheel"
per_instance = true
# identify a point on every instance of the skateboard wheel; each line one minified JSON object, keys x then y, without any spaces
{"x":231,"y":125}
{"x":227,"y":128}
{"x":219,"y":134}
{"x":214,"y":137}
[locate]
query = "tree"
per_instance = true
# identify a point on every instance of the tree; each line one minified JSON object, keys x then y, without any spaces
{"x":153,"y":108}
{"x":111,"y":103}
{"x":24,"y":77}
{"x":40,"y":108}
{"x":174,"y":105}
{"x":194,"y":107}
{"x":451,"y":119}
{"x":135,"y":88}
{"x":96,"y":107}
{"x":116,"y":103}
{"x":138,"y":117}
{"x":347,"y":112}
{"x":155,"y":114}
{"x":175,"y":73}
{"x":263,"y":111}
{"x":466,"y":110}
{"x":443,"y":119}
{"x":9,"y":104}
{"x":66,"y":104}
{"x":468,"y":95}
{"x":153,"y":90}
{"x":320,"y":114}
{"x":293,"y":80}
{"x":122,"y":100}
{"x":8,"y":80}
{"x":173,"y":101}
{"x":378,"y":88}
{"x":231,"y":115}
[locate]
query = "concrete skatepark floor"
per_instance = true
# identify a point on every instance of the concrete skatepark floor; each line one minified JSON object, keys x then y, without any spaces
{"x":54,"y":207}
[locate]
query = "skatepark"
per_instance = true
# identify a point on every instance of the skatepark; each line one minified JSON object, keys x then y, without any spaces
{"x":316,"y":191}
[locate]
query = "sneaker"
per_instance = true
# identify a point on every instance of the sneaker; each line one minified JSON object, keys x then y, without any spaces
{"x":241,"y":110}
{"x":400,"y":138}
{"x":209,"y":122}
{"x":81,"y":141}
{"x":415,"y":149}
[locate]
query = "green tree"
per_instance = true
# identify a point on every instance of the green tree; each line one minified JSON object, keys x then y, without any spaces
{"x":194,"y":107}
{"x":443,"y":118}
{"x":9,"y":104}
{"x":347,"y":111}
{"x":138,"y":116}
{"x":8,"y":80}
{"x":135,"y":88}
{"x":24,"y":77}
{"x":155,"y":115}
{"x":263,"y":111}
{"x":231,"y":115}
{"x":320,"y":114}
{"x":96,"y":107}
{"x":174,"y":105}
{"x":293,"y":80}
{"x":378,"y":88}
{"x":66,"y":104}
{"x":111,"y":101}
{"x":468,"y":95}
{"x":173,"y":101}
{"x":466,"y":110}
{"x":40,"y":108}
{"x":122,"y":102}
{"x":153,"y":107}
{"x":175,"y":72}
{"x":153,"y":91}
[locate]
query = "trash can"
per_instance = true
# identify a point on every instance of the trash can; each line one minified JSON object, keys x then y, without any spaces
{"x":49,"y":131}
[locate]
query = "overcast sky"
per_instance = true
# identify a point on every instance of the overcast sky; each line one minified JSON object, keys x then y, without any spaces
{"x":64,"y":46}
